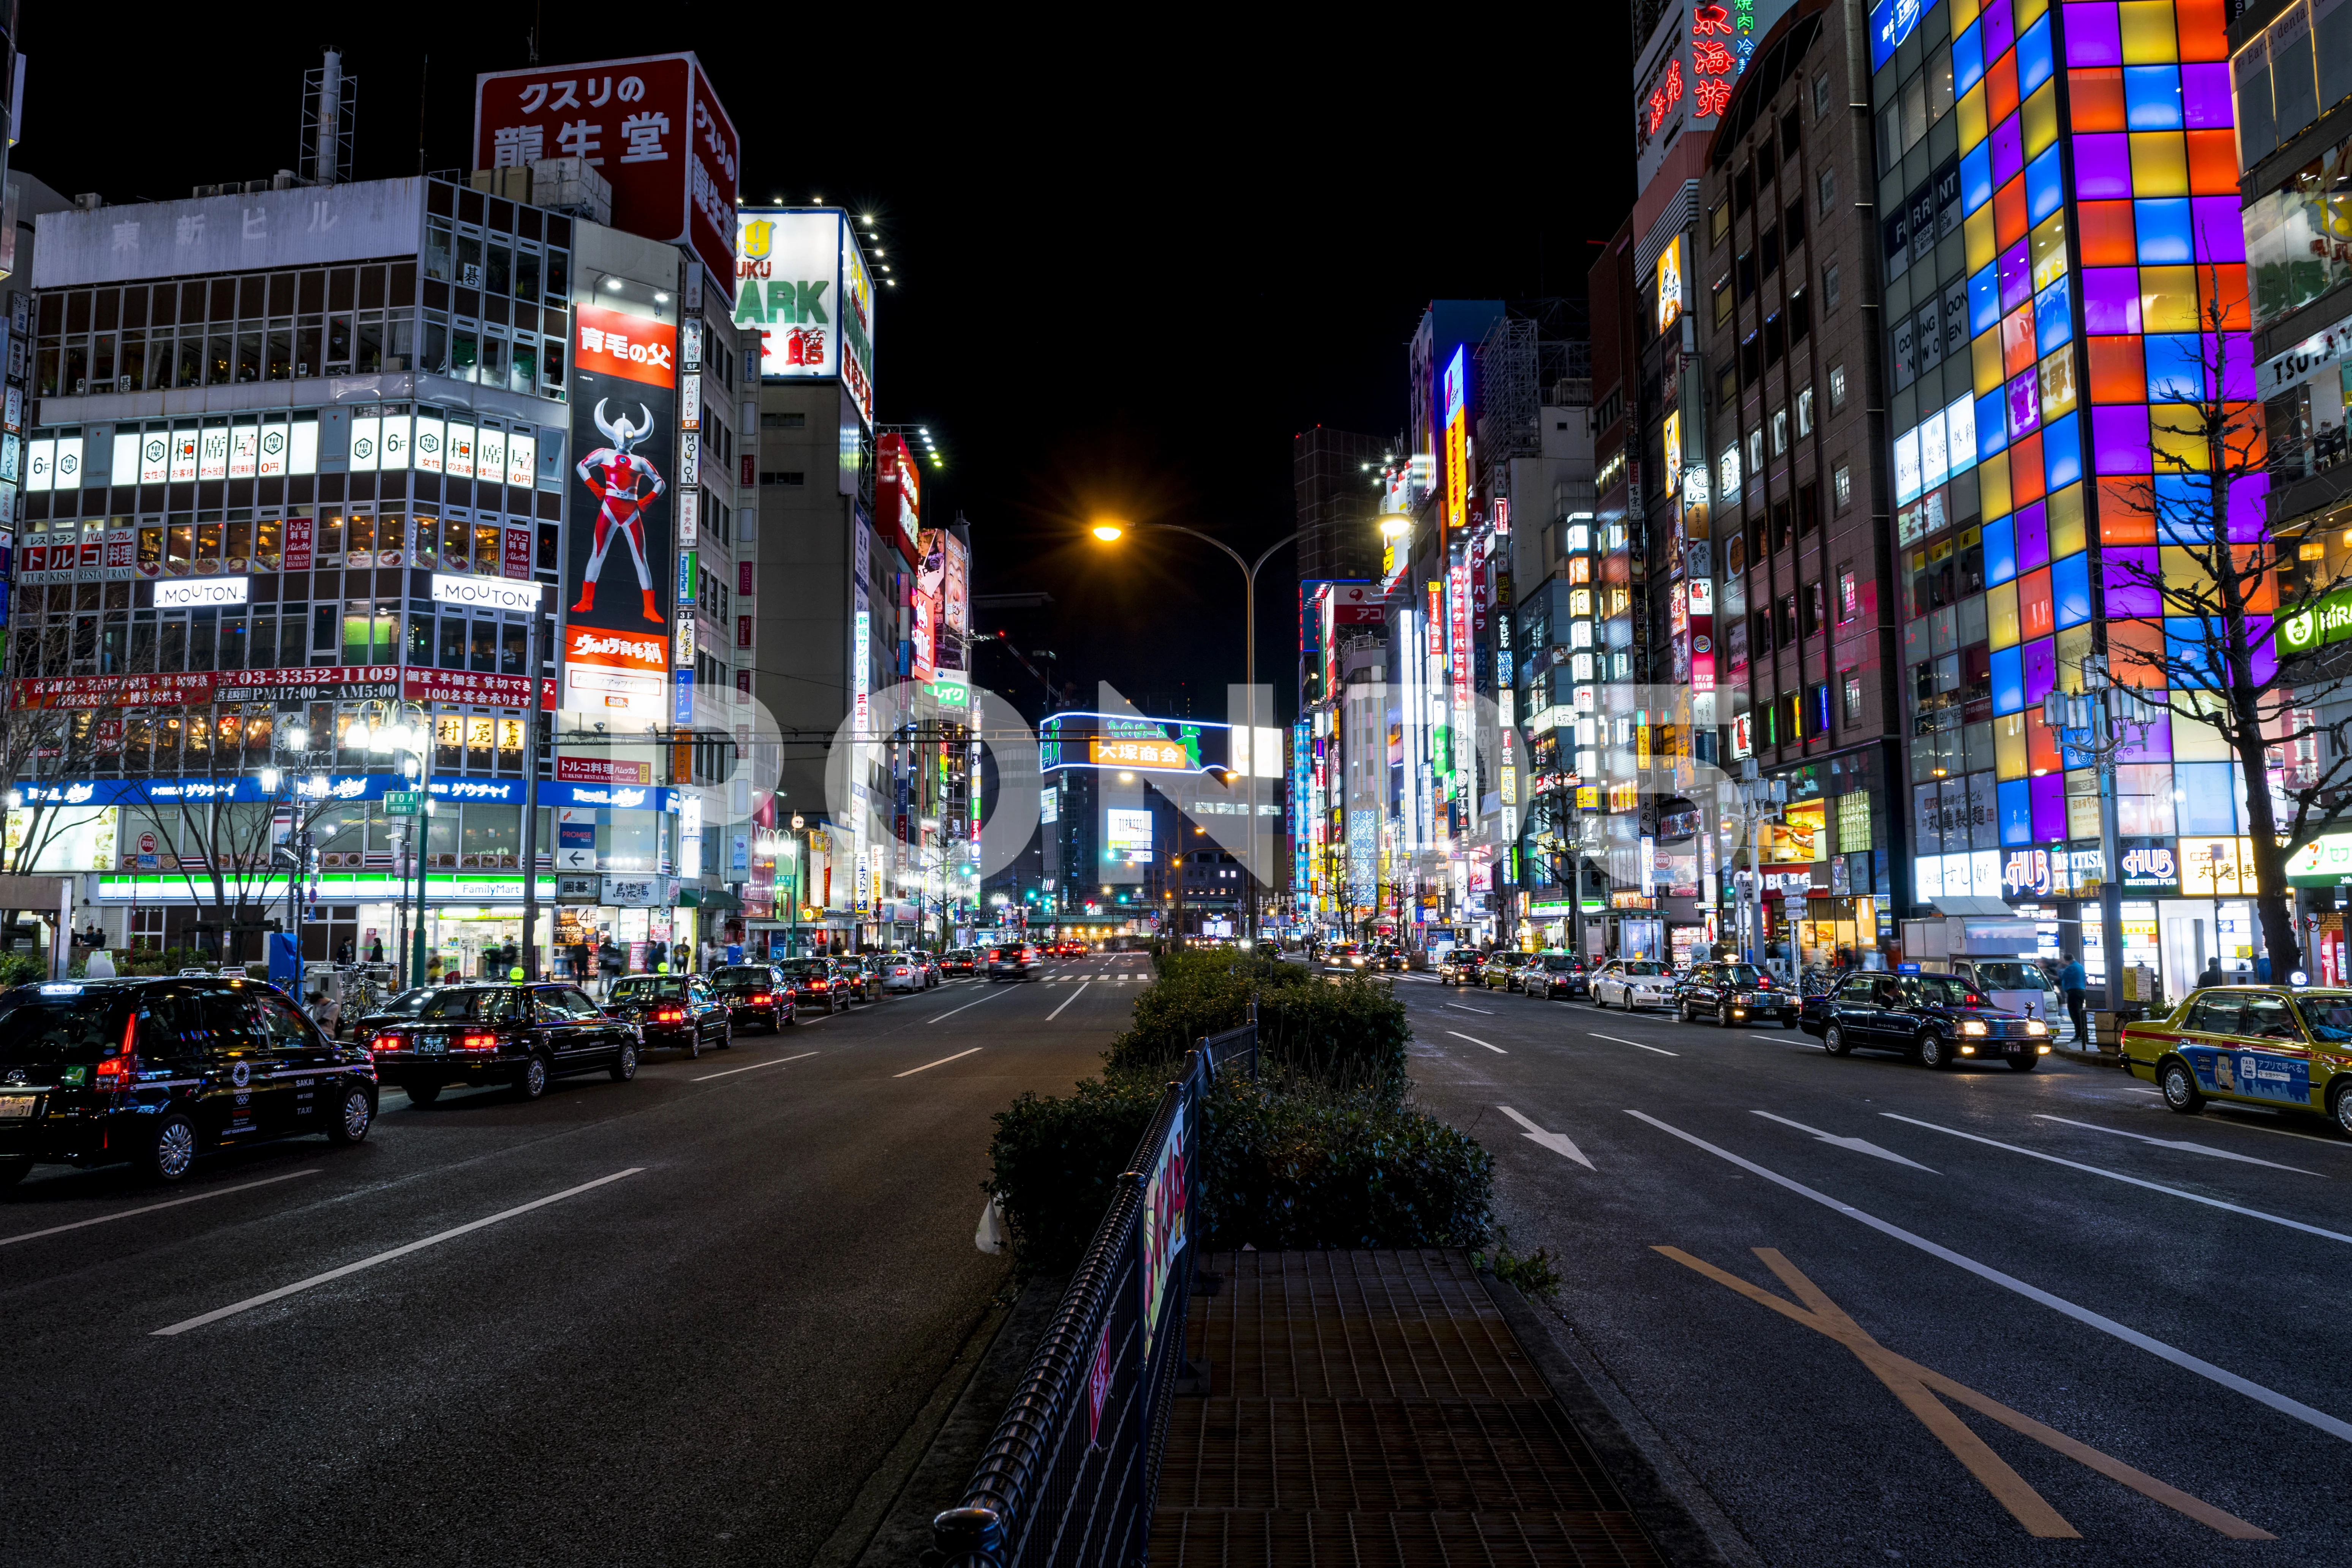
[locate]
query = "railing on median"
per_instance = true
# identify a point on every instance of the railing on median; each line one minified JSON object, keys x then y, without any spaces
{"x":1068,"y":1478}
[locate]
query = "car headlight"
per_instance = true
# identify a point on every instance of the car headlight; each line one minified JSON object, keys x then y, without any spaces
{"x":1972,"y":1027}
{"x":2036,"y":1027}
{"x":1745,"y":1000}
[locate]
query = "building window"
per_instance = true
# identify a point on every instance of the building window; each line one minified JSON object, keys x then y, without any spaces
{"x":1805,"y":412}
{"x":783,"y":421}
{"x":1780,"y":432}
{"x":1821,"y":94}
{"x":1849,"y":596}
{"x":1837,"y":387}
{"x":790,"y":480}
{"x":1852,"y":680}
{"x":1825,"y":190}
{"x":1830,"y":295}
{"x":1723,"y":301}
{"x":1726,"y":383}
{"x":1841,"y":480}
{"x":1813,"y":622}
{"x":1718,"y":223}
{"x":1756,"y":451}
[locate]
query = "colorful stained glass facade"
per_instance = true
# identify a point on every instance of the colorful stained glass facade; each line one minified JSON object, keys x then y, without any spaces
{"x":2052,"y":278}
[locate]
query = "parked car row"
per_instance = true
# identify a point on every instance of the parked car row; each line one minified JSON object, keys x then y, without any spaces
{"x":156,"y":1070}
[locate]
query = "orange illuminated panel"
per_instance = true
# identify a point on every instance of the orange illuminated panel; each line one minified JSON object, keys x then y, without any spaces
{"x":1136,"y":754}
{"x":2204,"y":28}
{"x":2025,"y":479}
{"x":2097,"y":98}
{"x":2136,"y":651}
{"x":2040,"y":745}
{"x":2001,"y":88}
{"x":2035,"y":618}
{"x":2107,"y":237}
{"x":2017,"y":340}
{"x":2009,"y":213}
{"x":2124,"y":514}
{"x":2264,"y":598}
{"x":2213,"y":162}
{"x":2118,"y":371}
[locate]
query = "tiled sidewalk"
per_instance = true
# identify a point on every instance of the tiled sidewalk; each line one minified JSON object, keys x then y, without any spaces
{"x":1374,"y":1408}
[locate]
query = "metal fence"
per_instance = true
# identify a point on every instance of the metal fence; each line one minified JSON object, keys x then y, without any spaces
{"x":1067,"y":1479}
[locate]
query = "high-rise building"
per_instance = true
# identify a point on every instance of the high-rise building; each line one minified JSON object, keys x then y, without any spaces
{"x":1334,"y":474}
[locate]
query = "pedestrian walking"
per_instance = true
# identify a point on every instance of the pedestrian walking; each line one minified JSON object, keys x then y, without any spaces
{"x":376,"y":950}
{"x":2073,"y":982}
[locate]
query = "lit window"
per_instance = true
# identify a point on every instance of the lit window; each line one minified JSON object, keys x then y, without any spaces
{"x":1805,"y":412}
{"x":1842,"y":478}
{"x":1837,"y":387}
{"x":1780,"y":432}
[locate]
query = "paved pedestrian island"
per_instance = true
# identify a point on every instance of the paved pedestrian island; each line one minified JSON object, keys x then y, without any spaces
{"x":1374,"y":1408}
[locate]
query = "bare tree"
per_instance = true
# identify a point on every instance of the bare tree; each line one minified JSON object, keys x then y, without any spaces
{"x":2236,"y":632}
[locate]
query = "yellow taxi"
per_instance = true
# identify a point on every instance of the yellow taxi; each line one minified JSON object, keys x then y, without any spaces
{"x":2257,"y":1045}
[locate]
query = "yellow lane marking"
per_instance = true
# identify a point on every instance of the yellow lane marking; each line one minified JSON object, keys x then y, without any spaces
{"x":1917,"y":1386}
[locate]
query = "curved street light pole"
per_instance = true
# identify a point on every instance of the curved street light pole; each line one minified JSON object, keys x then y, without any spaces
{"x":1249,"y":674}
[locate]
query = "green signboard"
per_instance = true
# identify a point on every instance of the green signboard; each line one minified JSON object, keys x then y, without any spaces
{"x":403,"y":802}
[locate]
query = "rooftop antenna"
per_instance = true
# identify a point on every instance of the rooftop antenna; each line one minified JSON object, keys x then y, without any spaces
{"x":330,"y":106}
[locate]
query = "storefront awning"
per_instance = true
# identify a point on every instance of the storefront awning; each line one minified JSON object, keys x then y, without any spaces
{"x":709,"y":898}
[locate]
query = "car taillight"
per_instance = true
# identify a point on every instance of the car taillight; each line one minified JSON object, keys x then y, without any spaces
{"x":669,"y":1016}
{"x":477,"y":1042}
{"x":389,"y":1041}
{"x":900,"y":970}
{"x":116,"y":1072}
{"x":762,"y":1000}
{"x":819,"y":985}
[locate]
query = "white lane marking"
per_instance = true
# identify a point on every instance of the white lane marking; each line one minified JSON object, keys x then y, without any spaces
{"x":966,"y":1007}
{"x":1558,"y":1142}
{"x":2174,"y":1144}
{"x":941,"y":1062}
{"x":267,"y":1297}
{"x":755,"y":1066}
{"x":2130,"y":1336}
{"x":2153,"y":1093}
{"x":1477,"y":1041}
{"x":1487,"y":1011}
{"x":2130,"y":1180}
{"x":1859,"y":1145}
{"x":151,"y":1208}
{"x":1074,"y":996}
{"x":1616,"y":1040}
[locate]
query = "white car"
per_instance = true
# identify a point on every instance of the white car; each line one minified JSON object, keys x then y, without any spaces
{"x":1631,"y":983}
{"x":904,"y":971}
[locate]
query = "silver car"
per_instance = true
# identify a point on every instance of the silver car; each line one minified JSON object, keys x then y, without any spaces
{"x":1633,"y":982}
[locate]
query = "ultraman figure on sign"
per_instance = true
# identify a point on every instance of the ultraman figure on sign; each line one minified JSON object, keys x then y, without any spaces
{"x":626,"y":484}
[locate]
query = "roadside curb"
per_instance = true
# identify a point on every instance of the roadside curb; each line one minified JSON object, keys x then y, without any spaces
{"x":1638,"y":1466}
{"x":980,"y":1386}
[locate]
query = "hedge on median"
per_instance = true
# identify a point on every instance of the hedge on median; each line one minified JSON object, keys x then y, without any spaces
{"x":1347,"y":1036}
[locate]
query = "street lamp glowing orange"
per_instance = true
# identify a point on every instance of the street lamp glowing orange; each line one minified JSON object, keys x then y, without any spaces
{"x":1108,"y":530}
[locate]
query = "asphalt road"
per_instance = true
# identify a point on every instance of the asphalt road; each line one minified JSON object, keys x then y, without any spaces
{"x":2169,"y":1291}
{"x":741,"y":1278}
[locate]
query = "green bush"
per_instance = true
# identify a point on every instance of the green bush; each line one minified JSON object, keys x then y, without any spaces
{"x":1349,"y":1036}
{"x":1055,"y":1163}
{"x":1290,"y":1171}
{"x":23,"y":968}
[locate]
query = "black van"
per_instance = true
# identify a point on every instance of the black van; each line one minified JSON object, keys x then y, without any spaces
{"x":156,"y":1072}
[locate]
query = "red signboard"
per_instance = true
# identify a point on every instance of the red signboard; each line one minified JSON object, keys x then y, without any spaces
{"x":651,"y":125}
{"x":518,"y":564}
{"x":602,"y":769}
{"x":636,"y":348}
{"x":1099,"y":1386}
{"x":465,"y":686}
{"x":897,"y":497}
{"x":1357,"y":604}
{"x":194,"y":687}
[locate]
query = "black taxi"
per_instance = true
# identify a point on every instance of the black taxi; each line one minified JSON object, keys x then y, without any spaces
{"x":487,"y":1033}
{"x":1730,"y":991}
{"x":756,"y":993}
{"x":156,"y":1072}
{"x":2285,"y":1047}
{"x":677,"y":1010}
{"x":1935,"y":1020}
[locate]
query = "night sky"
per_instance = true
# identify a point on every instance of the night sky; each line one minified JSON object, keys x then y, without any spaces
{"x":1134,"y":265}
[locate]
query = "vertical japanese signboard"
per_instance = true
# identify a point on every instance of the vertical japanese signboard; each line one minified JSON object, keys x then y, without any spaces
{"x":1456,"y":406}
{"x":619,"y":545}
{"x":651,"y":125}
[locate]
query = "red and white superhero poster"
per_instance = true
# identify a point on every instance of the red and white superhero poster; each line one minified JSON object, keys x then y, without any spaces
{"x":618,"y":543}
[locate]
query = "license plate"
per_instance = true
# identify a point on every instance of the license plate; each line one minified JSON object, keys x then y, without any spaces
{"x":432,"y":1047}
{"x":17,"y":1107}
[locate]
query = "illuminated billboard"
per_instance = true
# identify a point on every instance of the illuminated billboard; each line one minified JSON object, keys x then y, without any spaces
{"x":1126,"y":836}
{"x":652,"y":126}
{"x":616,"y":632}
{"x":802,"y":282}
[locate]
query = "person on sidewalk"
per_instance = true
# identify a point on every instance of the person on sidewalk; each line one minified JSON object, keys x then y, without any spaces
{"x":2213,"y":975}
{"x":2073,"y":982}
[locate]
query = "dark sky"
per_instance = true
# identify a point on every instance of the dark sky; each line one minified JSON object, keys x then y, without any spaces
{"x":1135,"y":264}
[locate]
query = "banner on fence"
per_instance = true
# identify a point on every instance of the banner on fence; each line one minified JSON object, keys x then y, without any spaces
{"x":1164,"y":1219}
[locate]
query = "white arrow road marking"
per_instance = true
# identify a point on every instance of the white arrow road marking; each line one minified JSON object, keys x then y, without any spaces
{"x":1616,"y":1040}
{"x":755,"y":1066}
{"x":1074,"y":996}
{"x":1477,"y":1041}
{"x":941,"y":1062}
{"x":2176,"y":1143}
{"x":1485,"y":1012}
{"x":2333,"y":1425}
{"x":151,"y":1208}
{"x":2131,"y":1181}
{"x":1859,"y":1145}
{"x":217,"y":1313}
{"x":1558,"y":1142}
